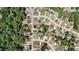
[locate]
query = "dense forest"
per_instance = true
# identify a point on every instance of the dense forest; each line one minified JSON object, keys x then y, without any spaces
{"x":10,"y":29}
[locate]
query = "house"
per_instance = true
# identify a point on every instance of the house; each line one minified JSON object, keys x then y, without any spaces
{"x":36,"y":22}
{"x":51,"y":27}
{"x":45,"y":38}
{"x":70,"y":25}
{"x":28,"y":46}
{"x":36,"y":45}
{"x":64,"y":23}
{"x":47,"y":21}
{"x":36,"y":12}
{"x":57,"y":21}
{"x":69,"y":9}
{"x":37,"y":36}
{"x":76,"y":48}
